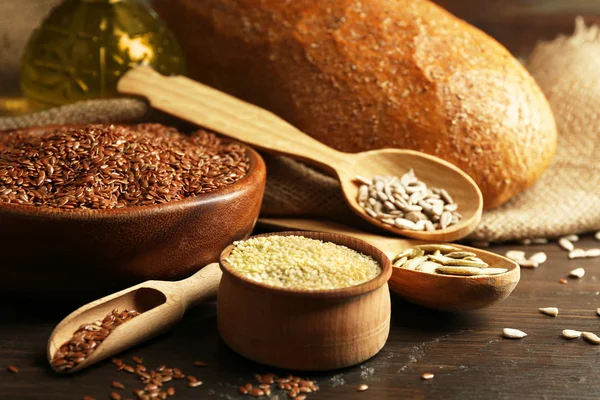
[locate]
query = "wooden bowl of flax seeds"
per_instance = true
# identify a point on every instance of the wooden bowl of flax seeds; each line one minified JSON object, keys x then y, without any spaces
{"x":85,"y":210}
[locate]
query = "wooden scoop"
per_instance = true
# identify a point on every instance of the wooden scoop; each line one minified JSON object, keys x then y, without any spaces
{"x":437,"y":291}
{"x":161,"y":304}
{"x":248,"y":123}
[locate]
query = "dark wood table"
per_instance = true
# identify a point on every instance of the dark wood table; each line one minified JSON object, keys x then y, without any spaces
{"x":466,"y":352}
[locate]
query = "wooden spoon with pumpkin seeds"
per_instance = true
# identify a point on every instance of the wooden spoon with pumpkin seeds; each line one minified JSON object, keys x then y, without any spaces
{"x":419,"y":282}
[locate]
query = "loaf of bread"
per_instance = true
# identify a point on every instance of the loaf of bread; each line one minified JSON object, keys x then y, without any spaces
{"x":367,"y":74}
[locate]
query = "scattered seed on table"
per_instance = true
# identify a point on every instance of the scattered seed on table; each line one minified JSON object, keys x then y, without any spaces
{"x":88,"y":398}
{"x":563,"y":281}
{"x":571,"y":334}
{"x":13,"y":369}
{"x":510,"y":333}
{"x":427,"y":376}
{"x":540,"y":257}
{"x":137,"y":359}
{"x":117,"y":385}
{"x":195,"y":383}
{"x":577,"y":253}
{"x":115,"y":396}
{"x":527,"y":263}
{"x":597,"y":235}
{"x":539,"y":241}
{"x":572,"y":238}
{"x":362,"y":387}
{"x":551,"y":311}
{"x":591,"y":337}
{"x":591,"y":253}
{"x":200,"y":364}
{"x":566,"y":244}
{"x":525,"y":241}
{"x":515,"y":255}
{"x":598,"y":311}
{"x":577,"y":273}
{"x":171,"y":391}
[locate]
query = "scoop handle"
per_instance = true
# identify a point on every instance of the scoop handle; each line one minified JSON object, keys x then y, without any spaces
{"x":228,"y":115}
{"x":201,"y":286}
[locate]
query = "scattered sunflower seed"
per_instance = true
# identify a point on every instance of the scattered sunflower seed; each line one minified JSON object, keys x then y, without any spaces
{"x":577,"y":273}
{"x":539,"y":241}
{"x":510,"y":333}
{"x":577,"y":253}
{"x":551,"y":311}
{"x":591,"y":337}
{"x":590,"y":253}
{"x":362,"y":387}
{"x":540,"y":257}
{"x":597,"y":235}
{"x":566,"y":244}
{"x":525,"y":242}
{"x":427,"y":376}
{"x":572,"y":238}
{"x":515,"y":255}
{"x":528,"y":263}
{"x":598,"y":311}
{"x":571,"y":334}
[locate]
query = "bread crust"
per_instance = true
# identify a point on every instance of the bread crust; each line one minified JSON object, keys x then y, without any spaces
{"x":360,"y":75}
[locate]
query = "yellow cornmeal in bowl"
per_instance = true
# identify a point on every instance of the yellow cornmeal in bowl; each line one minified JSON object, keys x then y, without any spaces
{"x":297,"y":262}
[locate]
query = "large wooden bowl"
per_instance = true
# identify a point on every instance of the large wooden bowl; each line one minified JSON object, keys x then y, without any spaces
{"x":305,"y":329}
{"x":85,"y":254}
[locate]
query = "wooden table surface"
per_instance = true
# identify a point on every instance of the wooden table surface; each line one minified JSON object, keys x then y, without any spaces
{"x":466,"y":352}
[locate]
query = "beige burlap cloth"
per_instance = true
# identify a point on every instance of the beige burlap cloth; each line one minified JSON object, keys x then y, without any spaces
{"x":565,"y":200}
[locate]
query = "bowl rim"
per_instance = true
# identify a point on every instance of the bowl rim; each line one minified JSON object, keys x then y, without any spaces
{"x":344,"y":240}
{"x":256,"y":170}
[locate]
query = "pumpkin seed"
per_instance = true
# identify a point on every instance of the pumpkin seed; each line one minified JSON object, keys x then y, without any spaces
{"x":461,"y":254}
{"x":591,"y":337}
{"x":405,"y":253}
{"x":577,"y":273}
{"x":444,"y":248}
{"x":428,"y":266}
{"x":398,"y":263}
{"x":412,"y":264}
{"x":571,"y":334}
{"x":551,"y":311}
{"x":465,"y":263}
{"x":463,"y":271}
{"x":510,"y":333}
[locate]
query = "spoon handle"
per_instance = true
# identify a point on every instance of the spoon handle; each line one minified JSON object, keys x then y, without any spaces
{"x":201,"y":286}
{"x":213,"y":109}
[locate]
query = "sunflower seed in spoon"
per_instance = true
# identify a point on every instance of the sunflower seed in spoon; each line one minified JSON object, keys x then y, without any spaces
{"x":551,"y":311}
{"x":571,"y":334}
{"x":510,"y":333}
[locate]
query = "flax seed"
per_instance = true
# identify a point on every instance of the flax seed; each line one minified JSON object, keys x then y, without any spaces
{"x":200,"y":364}
{"x":13,"y":369}
{"x":117,"y":385}
{"x":115,"y":396}
{"x":137,"y":359}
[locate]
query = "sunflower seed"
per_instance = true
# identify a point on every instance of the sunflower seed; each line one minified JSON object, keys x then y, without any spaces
{"x":590,"y":253}
{"x":525,"y":242}
{"x":551,"y":311}
{"x":404,"y":223}
{"x":528,"y":263}
{"x":598,"y":311}
{"x":597,"y":235}
{"x":539,"y":241}
{"x":444,"y":195}
{"x":540,"y":257}
{"x":566,"y":244}
{"x":577,"y":273}
{"x":463,"y":271}
{"x":420,"y":225}
{"x":572,"y":238}
{"x":571,"y":334}
{"x":577,"y":253}
{"x":363,"y":180}
{"x":515,"y":255}
{"x":363,"y":194}
{"x":510,"y":333}
{"x":371,"y":213}
{"x":591,"y":337}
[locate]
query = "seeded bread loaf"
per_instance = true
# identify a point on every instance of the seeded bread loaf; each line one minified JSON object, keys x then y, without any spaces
{"x":366,"y":74}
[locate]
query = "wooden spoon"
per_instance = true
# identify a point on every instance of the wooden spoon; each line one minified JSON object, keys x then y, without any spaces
{"x":248,"y":123}
{"x":437,"y":291}
{"x":161,"y":304}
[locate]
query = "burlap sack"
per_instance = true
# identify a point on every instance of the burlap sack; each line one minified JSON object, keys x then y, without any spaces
{"x":565,"y":200}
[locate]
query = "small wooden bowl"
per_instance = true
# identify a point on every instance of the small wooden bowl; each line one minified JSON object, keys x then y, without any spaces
{"x":305,"y":329}
{"x":85,"y":254}
{"x":457,"y":293}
